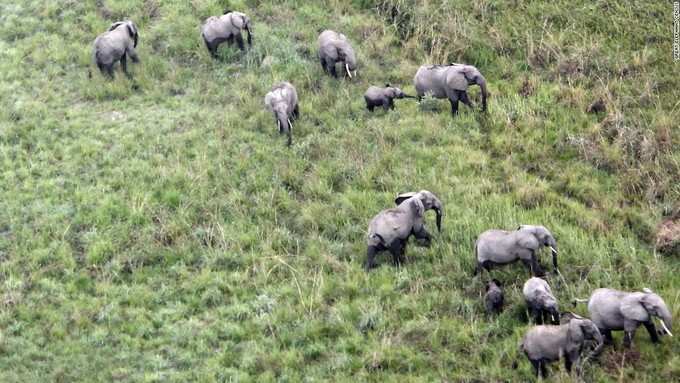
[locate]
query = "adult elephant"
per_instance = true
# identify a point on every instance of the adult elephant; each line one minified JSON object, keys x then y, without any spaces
{"x":335,"y":48}
{"x":227,"y":27}
{"x":282,"y":101}
{"x":116,"y":44}
{"x":450,"y":81}
{"x":612,"y":309}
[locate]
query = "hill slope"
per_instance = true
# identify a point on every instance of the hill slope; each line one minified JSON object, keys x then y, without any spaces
{"x":158,"y":229}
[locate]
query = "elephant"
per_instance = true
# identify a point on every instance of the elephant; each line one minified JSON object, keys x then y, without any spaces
{"x":116,"y":44}
{"x":376,"y":96}
{"x":541,"y":301}
{"x":429,"y":200}
{"x":449,"y":81}
{"x":548,"y":343}
{"x":616,"y":310}
{"x":504,"y":247}
{"x":282,"y":101}
{"x":216,"y":30}
{"x":333,"y":48}
{"x":391,"y":228}
{"x":494,"y":298}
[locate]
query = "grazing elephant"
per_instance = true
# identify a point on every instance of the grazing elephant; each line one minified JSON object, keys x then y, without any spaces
{"x":503,"y":247}
{"x":334,"y":48}
{"x":449,"y":81}
{"x":494,"y":298}
{"x":547,"y":343}
{"x":429,"y":200}
{"x":227,"y":27}
{"x":376,"y":96}
{"x":619,"y":310}
{"x":282,"y":100}
{"x":391,"y":228}
{"x":541,"y":301}
{"x":114,"y":45}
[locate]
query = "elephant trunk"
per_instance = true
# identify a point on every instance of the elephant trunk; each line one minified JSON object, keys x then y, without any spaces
{"x":408,"y":96}
{"x":600,"y":344}
{"x":485,"y":93}
{"x":439,"y":219}
{"x":250,"y":37}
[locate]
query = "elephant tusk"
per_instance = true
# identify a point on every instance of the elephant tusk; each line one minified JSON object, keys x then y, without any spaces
{"x":290,"y":124}
{"x":552,"y":316}
{"x":553,"y":249}
{"x":347,"y":69}
{"x":666,"y":328}
{"x":278,"y":124}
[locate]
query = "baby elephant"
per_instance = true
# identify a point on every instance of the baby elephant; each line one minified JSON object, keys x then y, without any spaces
{"x":376,"y":96}
{"x":493,"y":299}
{"x":391,"y":228}
{"x":227,"y":27}
{"x":503,"y":247}
{"x":282,"y":100}
{"x":619,"y":310}
{"x":541,"y":301}
{"x":114,"y":45}
{"x":547,"y":343}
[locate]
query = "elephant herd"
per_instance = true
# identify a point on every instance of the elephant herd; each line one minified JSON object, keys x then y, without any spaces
{"x":610,"y":310}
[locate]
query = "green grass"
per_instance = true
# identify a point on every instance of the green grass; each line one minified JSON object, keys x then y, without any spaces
{"x":159,"y":229}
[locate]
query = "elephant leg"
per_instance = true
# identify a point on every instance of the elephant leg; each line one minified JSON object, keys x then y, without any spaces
{"x":391,"y":104}
{"x":464,"y":98}
{"x":386,"y":104}
{"x":239,"y":41}
{"x":331,"y":70}
{"x":109,"y":71}
{"x":423,"y":236}
{"x":535,"y":267}
{"x":607,"y":334}
{"x":454,"y":104}
{"x":536,"y":364}
{"x":123,"y":65}
{"x":567,"y":363}
{"x":370,"y":107}
{"x":544,"y":369}
{"x":651,"y":329}
{"x":296,"y":112}
{"x":628,"y":338}
{"x":323,"y":64}
{"x":370,"y":256}
{"x":396,"y":249}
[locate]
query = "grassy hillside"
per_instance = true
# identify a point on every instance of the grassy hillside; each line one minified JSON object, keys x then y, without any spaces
{"x":159,"y":229}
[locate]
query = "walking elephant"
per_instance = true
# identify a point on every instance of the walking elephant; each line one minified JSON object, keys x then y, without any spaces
{"x":282,"y":101}
{"x":116,"y":44}
{"x":450,"y":81}
{"x":383,"y":97}
{"x":228,"y":27}
{"x":335,"y":48}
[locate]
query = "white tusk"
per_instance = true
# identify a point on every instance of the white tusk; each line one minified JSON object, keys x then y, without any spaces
{"x":552,"y":317}
{"x":278,"y":124}
{"x":290,"y":125}
{"x":553,"y":249}
{"x":347,"y":69}
{"x":666,"y":328}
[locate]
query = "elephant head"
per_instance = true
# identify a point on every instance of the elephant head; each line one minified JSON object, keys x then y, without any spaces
{"x":644,"y":305}
{"x":544,"y":238}
{"x":131,"y":28}
{"x":241,"y":21}
{"x":347,"y":55}
{"x":429,"y":200}
{"x":580,"y":330}
{"x":469,"y":75}
{"x":394,"y":92}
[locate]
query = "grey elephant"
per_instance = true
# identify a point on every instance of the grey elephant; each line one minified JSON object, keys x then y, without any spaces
{"x":498,"y":247}
{"x":450,"y":81}
{"x":377,"y":96}
{"x":540,"y":301}
{"x":116,"y":44}
{"x":228,"y":27}
{"x":548,"y":343}
{"x":494,"y":297}
{"x":335,"y":48}
{"x":391,"y":229}
{"x":613,"y":310}
{"x":282,"y":101}
{"x":429,"y":200}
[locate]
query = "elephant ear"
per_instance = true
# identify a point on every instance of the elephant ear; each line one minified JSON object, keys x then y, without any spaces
{"x":455,"y":79}
{"x":632,"y":307}
{"x":115,"y":25}
{"x":132,"y":31}
{"x":403,"y":197}
{"x":574,"y":334}
{"x":527,"y":240}
{"x":417,"y":207}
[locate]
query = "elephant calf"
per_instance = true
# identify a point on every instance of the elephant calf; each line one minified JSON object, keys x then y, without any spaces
{"x":503,"y":247}
{"x":335,"y":48}
{"x":227,"y":27}
{"x":376,"y":96}
{"x":619,"y":310}
{"x":547,"y":343}
{"x":541,"y":301}
{"x":114,"y":45}
{"x":282,"y":100}
{"x":494,"y":298}
{"x":391,"y":228}
{"x":450,"y":81}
